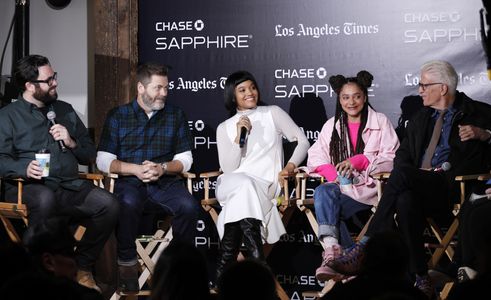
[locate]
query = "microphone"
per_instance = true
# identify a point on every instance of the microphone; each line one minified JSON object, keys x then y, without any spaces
{"x":51,"y":115}
{"x":243,"y":136}
{"x":446,"y":166}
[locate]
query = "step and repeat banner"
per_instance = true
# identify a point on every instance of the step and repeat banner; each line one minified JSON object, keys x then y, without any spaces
{"x":292,"y":47}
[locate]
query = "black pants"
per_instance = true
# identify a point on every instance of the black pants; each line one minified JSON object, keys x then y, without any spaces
{"x":92,"y":207}
{"x":412,"y":195}
{"x":475,"y":233}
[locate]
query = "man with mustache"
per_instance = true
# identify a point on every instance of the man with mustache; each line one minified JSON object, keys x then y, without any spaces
{"x":147,"y":143}
{"x":25,"y":130}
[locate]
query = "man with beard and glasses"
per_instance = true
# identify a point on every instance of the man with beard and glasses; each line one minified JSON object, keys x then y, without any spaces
{"x":147,"y":143}
{"x":24,"y":131}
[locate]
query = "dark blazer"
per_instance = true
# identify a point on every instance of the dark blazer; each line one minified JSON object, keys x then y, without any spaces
{"x":469,"y":157}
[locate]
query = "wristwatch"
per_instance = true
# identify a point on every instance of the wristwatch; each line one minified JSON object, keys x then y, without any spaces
{"x":164,"y":167}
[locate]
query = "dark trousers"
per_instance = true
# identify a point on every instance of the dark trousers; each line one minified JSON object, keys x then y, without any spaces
{"x":172,"y":197}
{"x":412,"y":195}
{"x":475,"y":234}
{"x":92,"y":207}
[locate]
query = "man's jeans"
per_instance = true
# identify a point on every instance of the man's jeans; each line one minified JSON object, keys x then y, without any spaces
{"x":172,"y":197}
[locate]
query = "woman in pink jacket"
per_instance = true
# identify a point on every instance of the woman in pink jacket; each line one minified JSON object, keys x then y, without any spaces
{"x":354,"y":144}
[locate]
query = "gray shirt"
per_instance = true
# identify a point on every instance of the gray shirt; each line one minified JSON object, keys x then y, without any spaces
{"x":24,"y":130}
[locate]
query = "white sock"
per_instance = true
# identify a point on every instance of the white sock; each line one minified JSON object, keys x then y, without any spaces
{"x":329,"y":241}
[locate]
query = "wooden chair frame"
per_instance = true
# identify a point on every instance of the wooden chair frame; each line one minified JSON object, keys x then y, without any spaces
{"x":18,"y":210}
{"x":149,"y":248}
{"x":444,"y":238}
{"x":305,"y":205}
{"x":483,"y":177}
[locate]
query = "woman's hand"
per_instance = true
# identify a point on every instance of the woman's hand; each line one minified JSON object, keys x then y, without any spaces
{"x":288,"y":170}
{"x":243,"y":122}
{"x":345,"y":169}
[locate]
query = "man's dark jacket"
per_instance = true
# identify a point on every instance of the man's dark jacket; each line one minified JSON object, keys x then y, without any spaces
{"x":469,"y":157}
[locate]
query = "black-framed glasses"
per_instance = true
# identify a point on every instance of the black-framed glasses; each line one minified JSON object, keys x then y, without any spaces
{"x":48,"y":81}
{"x":423,"y":86}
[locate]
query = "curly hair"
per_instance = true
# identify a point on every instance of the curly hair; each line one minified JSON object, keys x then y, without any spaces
{"x":338,"y":149}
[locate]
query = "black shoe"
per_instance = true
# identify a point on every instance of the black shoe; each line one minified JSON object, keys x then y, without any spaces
{"x":229,"y":247}
{"x":128,"y":280}
{"x":424,"y":284}
{"x":465,"y":274}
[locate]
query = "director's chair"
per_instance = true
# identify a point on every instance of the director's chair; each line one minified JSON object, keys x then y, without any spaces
{"x":306,"y":204}
{"x":149,"y":247}
{"x":445,"y":237}
{"x":17,"y":209}
{"x":449,"y":285}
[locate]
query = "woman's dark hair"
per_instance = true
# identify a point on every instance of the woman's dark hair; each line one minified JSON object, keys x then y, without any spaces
{"x":232,"y":81}
{"x":338,"y":149}
{"x":26,"y":69}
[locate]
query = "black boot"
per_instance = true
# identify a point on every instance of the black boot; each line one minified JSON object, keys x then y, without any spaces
{"x":253,"y":242}
{"x":230,"y":245}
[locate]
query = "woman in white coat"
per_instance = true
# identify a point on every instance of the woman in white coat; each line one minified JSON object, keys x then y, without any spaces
{"x":251,"y":168}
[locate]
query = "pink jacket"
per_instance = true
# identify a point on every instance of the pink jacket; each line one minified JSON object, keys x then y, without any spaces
{"x":381,"y":143}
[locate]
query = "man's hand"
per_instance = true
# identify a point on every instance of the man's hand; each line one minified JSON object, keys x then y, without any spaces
{"x":488,"y":193}
{"x":469,"y":132}
{"x":60,"y":133}
{"x":151,"y":171}
{"x":34,"y":170}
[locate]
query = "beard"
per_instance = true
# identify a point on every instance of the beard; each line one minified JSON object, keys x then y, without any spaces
{"x":150,"y":102}
{"x":45,"y":96}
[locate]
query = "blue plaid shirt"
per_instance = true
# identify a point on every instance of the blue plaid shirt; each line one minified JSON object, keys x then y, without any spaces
{"x":133,"y":137}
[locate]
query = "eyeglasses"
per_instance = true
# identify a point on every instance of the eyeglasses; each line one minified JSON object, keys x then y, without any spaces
{"x":423,"y":86}
{"x":48,"y":81}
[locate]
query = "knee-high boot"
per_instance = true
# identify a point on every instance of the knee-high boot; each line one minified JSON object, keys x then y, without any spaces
{"x":230,"y":246}
{"x":253,"y":242}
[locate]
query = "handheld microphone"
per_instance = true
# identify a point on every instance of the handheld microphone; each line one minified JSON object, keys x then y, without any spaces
{"x":243,"y":136}
{"x":446,"y":166}
{"x":51,"y":115}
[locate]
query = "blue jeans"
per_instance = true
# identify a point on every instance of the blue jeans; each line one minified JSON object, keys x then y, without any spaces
{"x":172,"y":197}
{"x":332,"y":208}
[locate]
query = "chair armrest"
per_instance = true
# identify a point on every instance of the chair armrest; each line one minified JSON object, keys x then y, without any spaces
{"x":20,"y":183}
{"x":381,"y":175}
{"x":484,"y":177}
{"x":210,"y":174}
{"x":302,"y":175}
{"x":467,"y":177}
{"x":91,"y":176}
{"x":188,"y":175}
